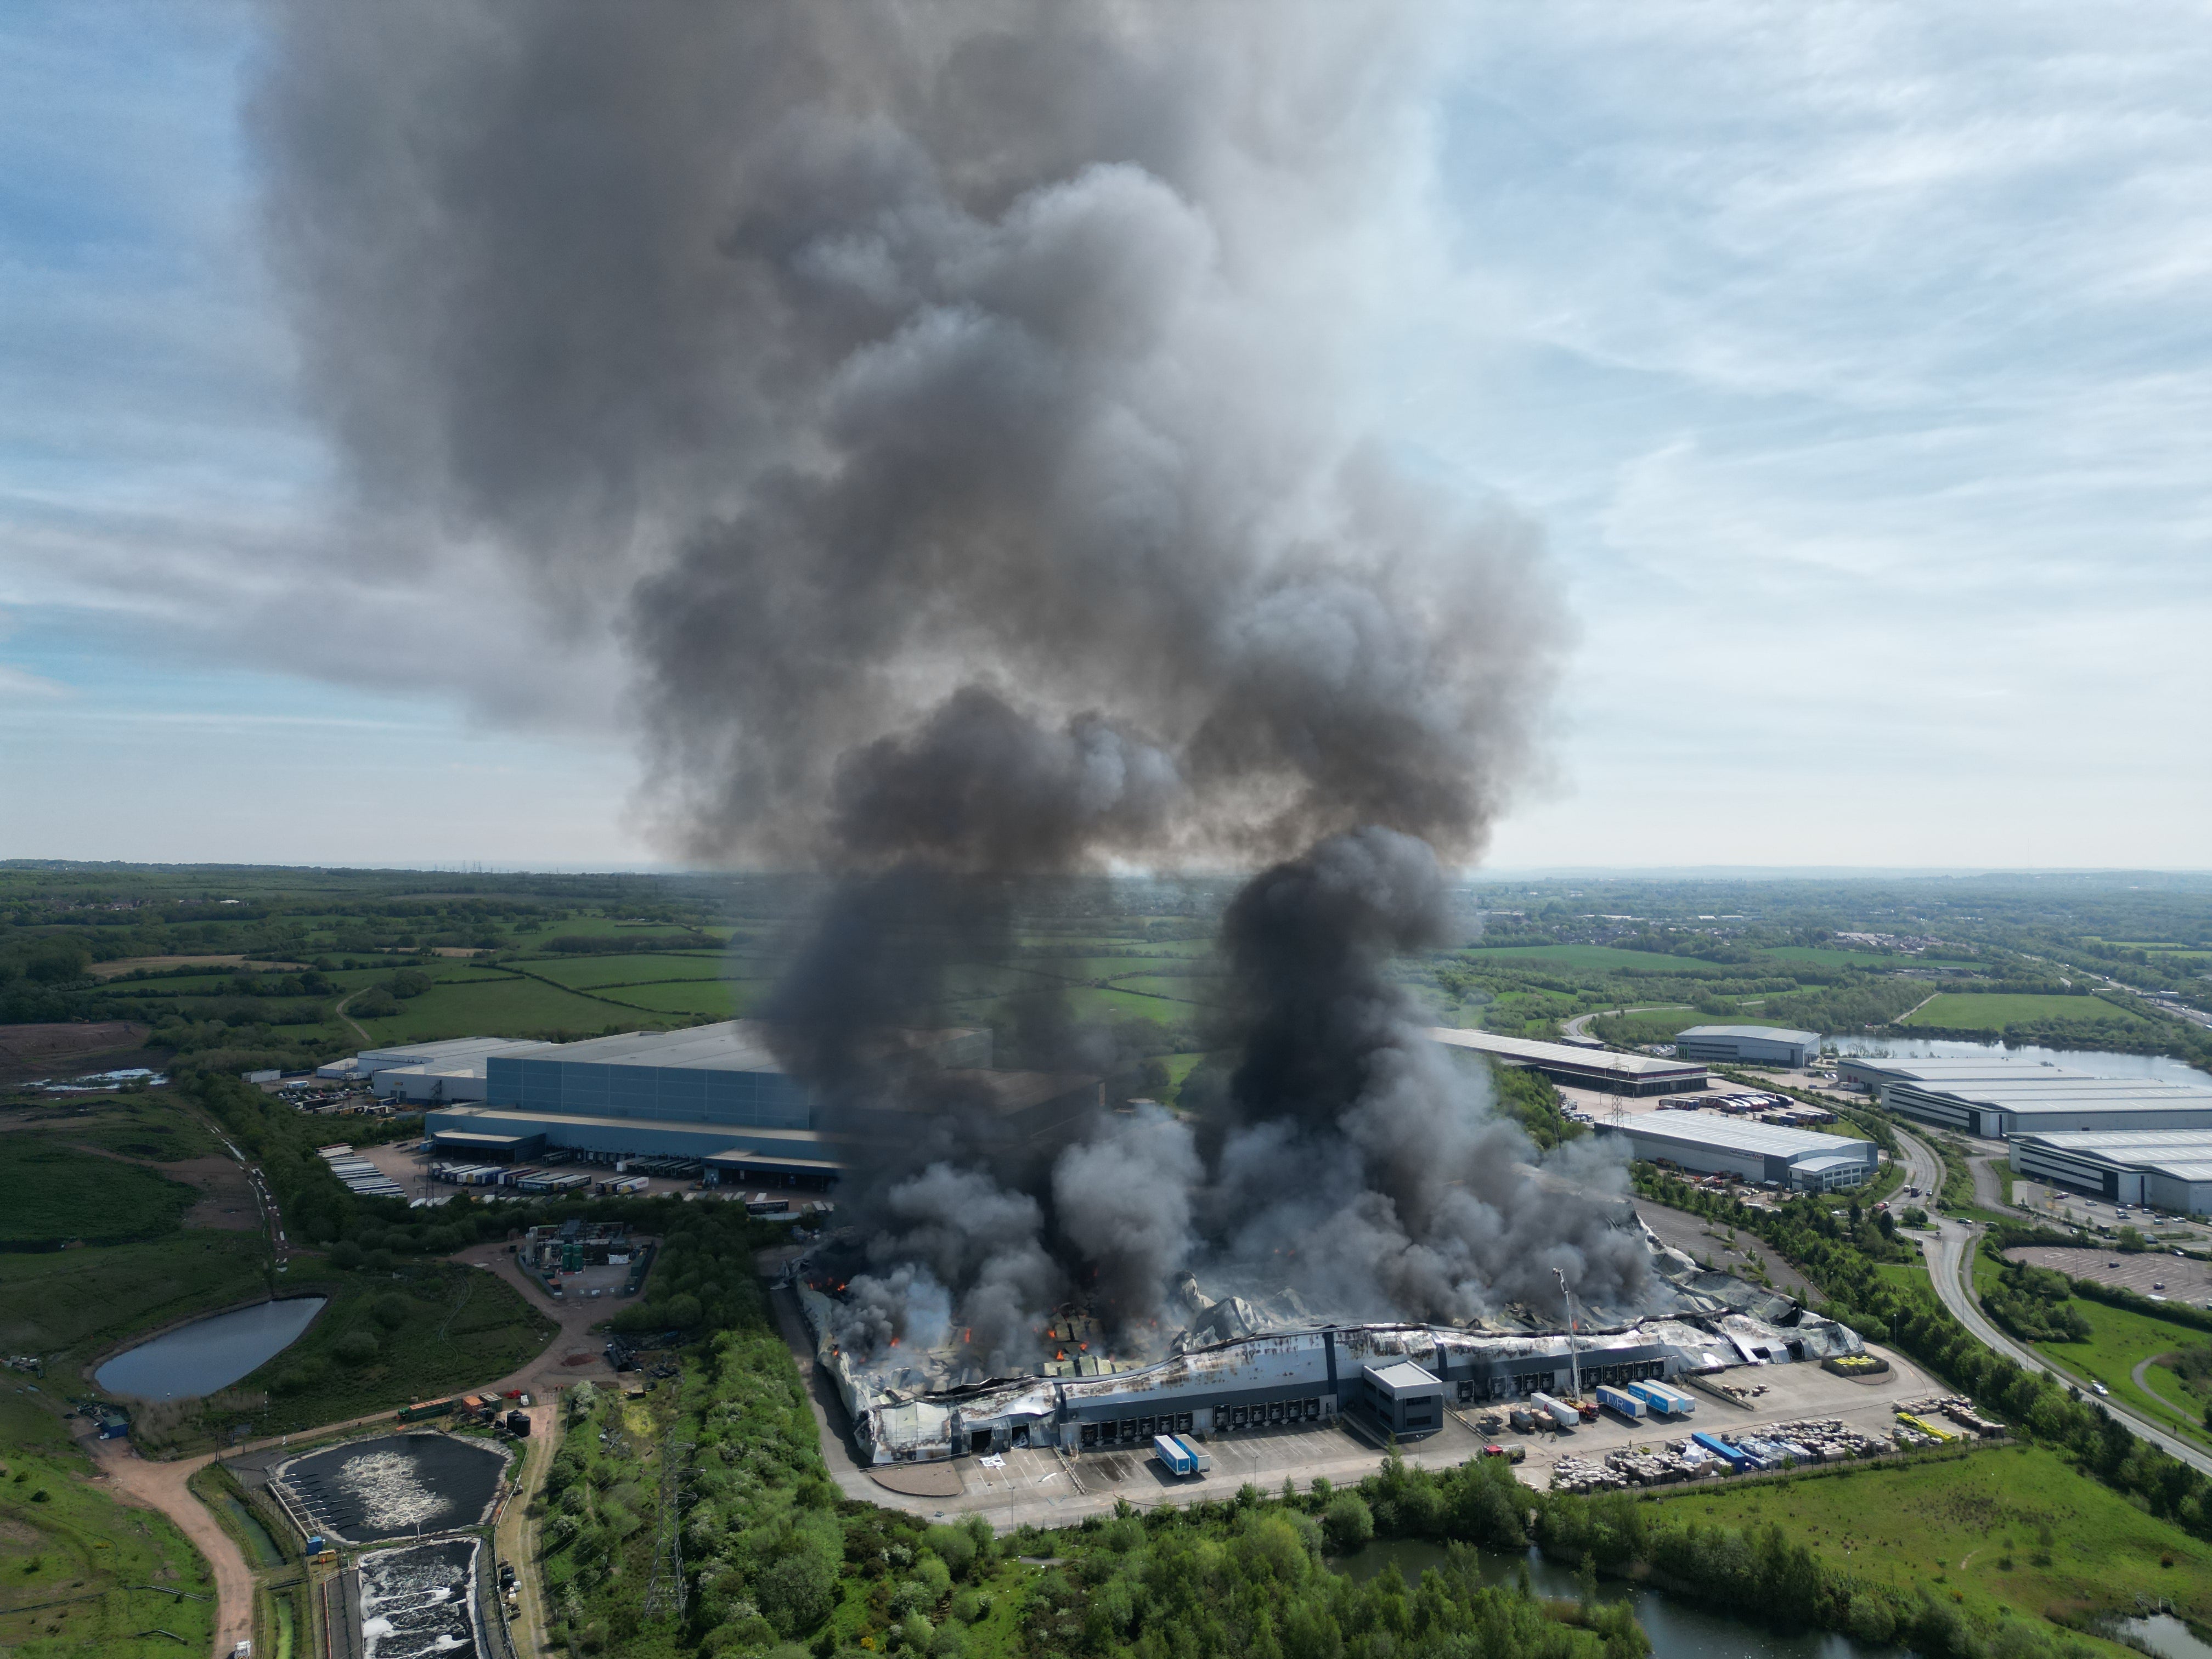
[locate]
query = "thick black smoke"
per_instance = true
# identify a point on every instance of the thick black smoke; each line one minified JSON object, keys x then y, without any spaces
{"x":960,"y":407}
{"x":1354,"y":1158}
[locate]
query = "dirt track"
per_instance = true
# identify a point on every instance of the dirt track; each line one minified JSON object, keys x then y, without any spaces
{"x":160,"y":1486}
{"x":549,"y":1369}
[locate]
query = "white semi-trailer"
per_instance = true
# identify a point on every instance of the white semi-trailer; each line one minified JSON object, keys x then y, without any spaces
{"x":1558,"y":1411}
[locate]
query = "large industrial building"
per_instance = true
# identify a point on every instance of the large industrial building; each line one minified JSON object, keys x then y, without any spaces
{"x":419,"y":1073}
{"x":714,"y":1093}
{"x":1704,"y":1143}
{"x":2168,"y":1169}
{"x":1400,"y":1378}
{"x":1754,"y":1045}
{"x":2000,"y":1097}
{"x":1586,"y":1068}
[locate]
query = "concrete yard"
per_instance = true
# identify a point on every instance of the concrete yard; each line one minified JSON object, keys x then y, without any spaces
{"x":1044,"y":1488}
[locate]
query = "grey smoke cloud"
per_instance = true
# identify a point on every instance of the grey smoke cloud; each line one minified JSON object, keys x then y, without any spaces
{"x":1123,"y":1199}
{"x":957,"y":400}
{"x":1353,"y":1156}
{"x":962,"y":406}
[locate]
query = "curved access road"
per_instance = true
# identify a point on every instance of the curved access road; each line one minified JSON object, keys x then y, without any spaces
{"x":1950,"y":1253}
{"x":161,"y":1487}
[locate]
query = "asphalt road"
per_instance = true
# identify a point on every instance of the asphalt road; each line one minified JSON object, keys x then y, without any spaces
{"x":1949,"y":1256}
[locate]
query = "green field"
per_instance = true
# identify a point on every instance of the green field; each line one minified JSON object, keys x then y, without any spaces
{"x":51,"y":1194}
{"x":2010,"y":1531}
{"x":70,"y":1305}
{"x":1993,"y":1010}
{"x":502,"y":1007}
{"x":1592,"y":957}
{"x":1087,"y":1002}
{"x":1176,"y":988}
{"x":590,"y":973}
{"x":79,"y":1572}
{"x":702,"y":996}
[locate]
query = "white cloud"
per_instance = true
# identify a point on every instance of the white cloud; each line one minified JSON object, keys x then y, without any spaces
{"x":21,"y":683}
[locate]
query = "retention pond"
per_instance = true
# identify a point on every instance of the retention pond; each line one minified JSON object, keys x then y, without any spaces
{"x":1677,"y":1631}
{"x":209,"y":1353}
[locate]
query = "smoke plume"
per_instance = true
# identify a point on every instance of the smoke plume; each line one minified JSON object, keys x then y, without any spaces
{"x":962,"y":408}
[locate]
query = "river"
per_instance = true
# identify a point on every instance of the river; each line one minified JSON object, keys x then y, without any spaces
{"x":1677,"y":1631}
{"x":209,"y":1353}
{"x":2097,"y":1062}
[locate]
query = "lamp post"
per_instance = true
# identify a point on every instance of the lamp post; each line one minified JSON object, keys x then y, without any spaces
{"x":1574,"y":1366}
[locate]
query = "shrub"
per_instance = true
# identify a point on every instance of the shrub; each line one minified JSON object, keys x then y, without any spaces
{"x":1347,"y":1523}
{"x":794,"y":1592}
{"x":391,"y":1311}
{"x":355,"y":1347}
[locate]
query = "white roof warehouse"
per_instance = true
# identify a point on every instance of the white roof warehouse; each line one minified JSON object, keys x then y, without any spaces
{"x":1707,"y":1145}
{"x":2168,"y":1169}
{"x":2001,"y":1097}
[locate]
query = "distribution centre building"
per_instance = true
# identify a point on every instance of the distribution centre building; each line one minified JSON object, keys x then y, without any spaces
{"x":2000,"y":1097}
{"x":714,"y":1093}
{"x":1587,"y":1069}
{"x":2168,"y":1169}
{"x":1756,"y":1045}
{"x":1705,"y":1144}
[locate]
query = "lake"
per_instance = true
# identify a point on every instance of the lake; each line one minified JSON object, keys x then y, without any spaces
{"x":2097,"y":1061}
{"x":1677,"y":1631}
{"x":209,"y":1353}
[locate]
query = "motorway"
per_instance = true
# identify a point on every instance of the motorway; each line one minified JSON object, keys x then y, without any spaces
{"x":1949,"y":1253}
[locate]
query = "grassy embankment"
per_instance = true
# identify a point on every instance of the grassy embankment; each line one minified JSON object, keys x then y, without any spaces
{"x":79,"y":1572}
{"x":2120,"y":1339}
{"x":51,"y":1193}
{"x":2015,"y":1532}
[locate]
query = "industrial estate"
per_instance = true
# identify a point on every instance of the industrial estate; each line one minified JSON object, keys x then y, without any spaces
{"x":618,"y":1203}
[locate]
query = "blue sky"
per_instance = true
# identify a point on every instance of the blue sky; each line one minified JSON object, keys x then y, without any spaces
{"x":1853,"y":359}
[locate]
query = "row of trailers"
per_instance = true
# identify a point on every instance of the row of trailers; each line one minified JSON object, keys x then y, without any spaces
{"x":521,"y":1178}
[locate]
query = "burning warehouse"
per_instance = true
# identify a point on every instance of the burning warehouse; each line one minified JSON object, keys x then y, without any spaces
{"x":1295,"y":1370}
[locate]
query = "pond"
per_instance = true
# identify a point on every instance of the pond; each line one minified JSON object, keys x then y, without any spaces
{"x":209,"y":1353}
{"x":1677,"y":1631}
{"x":2098,"y":1062}
{"x":2162,"y":1634}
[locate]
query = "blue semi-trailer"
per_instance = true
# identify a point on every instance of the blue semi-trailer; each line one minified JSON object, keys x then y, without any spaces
{"x":1734,"y":1456}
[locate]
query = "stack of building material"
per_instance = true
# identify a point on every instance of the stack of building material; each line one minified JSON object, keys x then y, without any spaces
{"x":1572,"y":1474}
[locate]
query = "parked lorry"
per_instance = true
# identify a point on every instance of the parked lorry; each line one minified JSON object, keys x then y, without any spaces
{"x":1662,"y":1399}
{"x":1621,"y":1401}
{"x":1179,"y":1455}
{"x":1561,"y":1414}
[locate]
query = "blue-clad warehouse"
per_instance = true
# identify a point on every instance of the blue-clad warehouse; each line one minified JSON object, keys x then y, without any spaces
{"x":709,"y":1074}
{"x":716,"y":1094}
